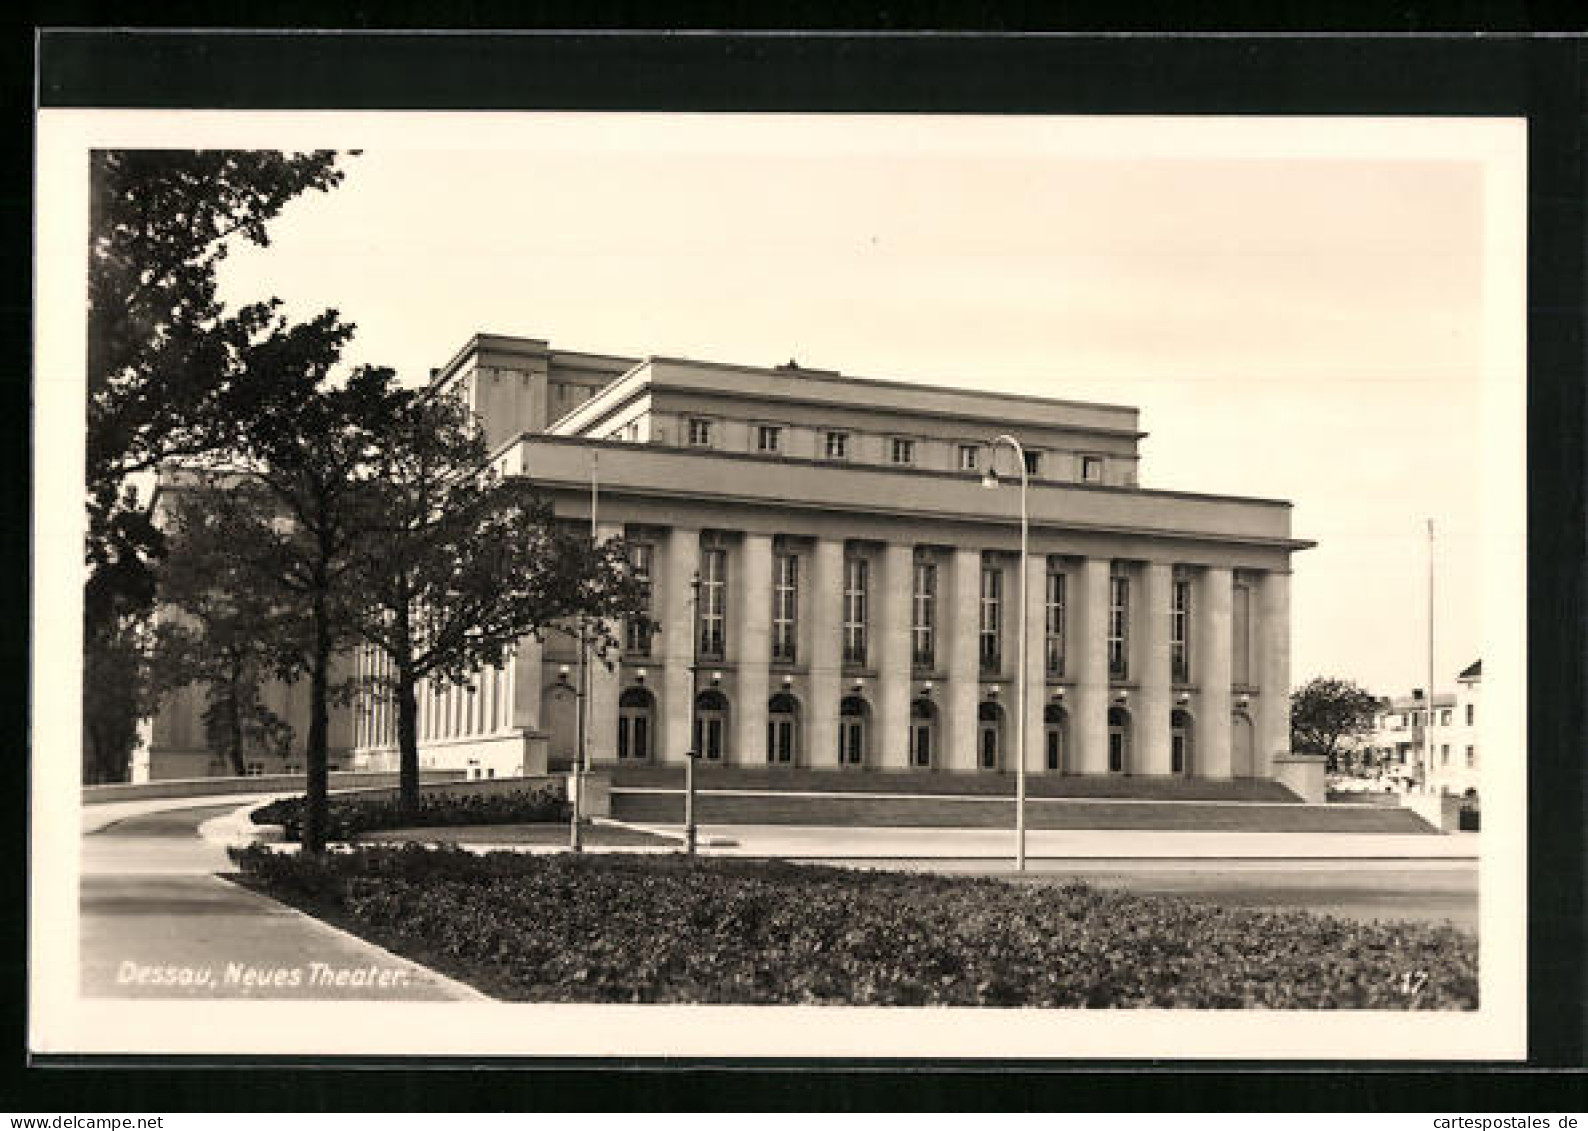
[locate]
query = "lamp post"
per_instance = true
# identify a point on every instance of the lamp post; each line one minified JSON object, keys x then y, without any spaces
{"x":581,"y":764}
{"x":691,"y":754}
{"x":990,"y":479}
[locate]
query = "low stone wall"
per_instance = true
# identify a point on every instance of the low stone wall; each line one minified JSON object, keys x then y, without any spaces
{"x":1441,"y":810}
{"x":1304,"y":775}
{"x":460,"y":787}
{"x":266,"y":783}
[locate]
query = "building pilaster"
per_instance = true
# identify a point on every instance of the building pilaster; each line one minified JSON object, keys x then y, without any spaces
{"x":1150,"y":712}
{"x":892,"y":746}
{"x":1089,"y":712}
{"x":1036,"y":672}
{"x":1211,"y":671}
{"x":824,"y":597}
{"x":675,"y":612}
{"x":957,"y":635}
{"x":752,"y":647}
{"x":1273,"y":635}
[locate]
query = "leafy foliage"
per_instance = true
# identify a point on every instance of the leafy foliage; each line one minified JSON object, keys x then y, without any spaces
{"x":1325,"y":713}
{"x":224,"y":631}
{"x":457,"y":564}
{"x":170,"y":371}
{"x":617,"y":928}
{"x":347,"y":817}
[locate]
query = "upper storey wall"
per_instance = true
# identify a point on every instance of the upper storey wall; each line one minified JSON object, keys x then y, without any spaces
{"x":1071,"y":440}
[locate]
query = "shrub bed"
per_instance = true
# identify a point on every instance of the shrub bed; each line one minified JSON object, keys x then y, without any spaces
{"x":346,"y":817}
{"x":673,"y":929}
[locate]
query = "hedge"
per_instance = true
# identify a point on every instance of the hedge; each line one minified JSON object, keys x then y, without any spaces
{"x":348,"y":816}
{"x":614,"y":928}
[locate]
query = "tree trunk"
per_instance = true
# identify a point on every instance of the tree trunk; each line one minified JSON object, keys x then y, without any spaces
{"x":316,"y":756}
{"x":234,"y":721}
{"x":407,"y":739}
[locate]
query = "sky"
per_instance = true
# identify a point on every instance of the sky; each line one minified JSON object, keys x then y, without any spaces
{"x":1298,"y":309}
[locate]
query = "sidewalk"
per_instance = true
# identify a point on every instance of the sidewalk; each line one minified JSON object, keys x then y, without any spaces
{"x":809,"y":842}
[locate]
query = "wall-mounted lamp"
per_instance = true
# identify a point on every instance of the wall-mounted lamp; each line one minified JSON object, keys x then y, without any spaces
{"x":716,"y":677}
{"x":859,"y":683}
{"x":1058,"y":693}
{"x":992,"y":691}
{"x":1183,"y":699}
{"x":1244,"y":701}
{"x":926,"y":688}
{"x":1121,"y":696}
{"x":788,"y":681}
{"x":639,"y":675}
{"x":562,"y":673}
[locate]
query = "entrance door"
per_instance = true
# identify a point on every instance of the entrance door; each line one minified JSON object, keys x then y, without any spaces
{"x":923,"y":727}
{"x":1180,"y":743}
{"x":989,"y":726}
{"x":1053,"y":737}
{"x":634,"y":725}
{"x":711,"y":725}
{"x":1118,"y":741}
{"x":782,"y":730}
{"x":852,"y":732}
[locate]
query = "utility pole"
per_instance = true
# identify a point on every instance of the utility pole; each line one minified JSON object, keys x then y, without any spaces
{"x":581,"y":764}
{"x":1428,"y":730}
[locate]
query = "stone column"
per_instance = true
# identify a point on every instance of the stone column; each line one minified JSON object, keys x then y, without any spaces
{"x":751,"y":649}
{"x":1154,"y":698}
{"x":1036,"y":661}
{"x":525,"y":694}
{"x":1273,"y":658}
{"x":959,"y":594}
{"x":605,"y":684}
{"x":892,"y":740}
{"x":823,"y":603}
{"x":1211,"y":672}
{"x":1089,"y":649}
{"x":675,"y":613}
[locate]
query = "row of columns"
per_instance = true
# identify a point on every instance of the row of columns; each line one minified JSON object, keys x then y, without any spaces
{"x":1088,"y":694}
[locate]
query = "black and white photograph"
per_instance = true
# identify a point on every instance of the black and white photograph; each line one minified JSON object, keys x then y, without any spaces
{"x":780,"y":585}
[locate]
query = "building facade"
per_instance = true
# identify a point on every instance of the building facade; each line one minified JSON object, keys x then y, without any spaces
{"x":834,"y":587}
{"x":1437,"y":743}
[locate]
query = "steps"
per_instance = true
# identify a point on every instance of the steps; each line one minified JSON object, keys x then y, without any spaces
{"x":640,"y":805}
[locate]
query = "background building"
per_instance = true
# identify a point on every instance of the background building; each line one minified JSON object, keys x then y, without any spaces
{"x":835,"y":588}
{"x":1404,"y":724}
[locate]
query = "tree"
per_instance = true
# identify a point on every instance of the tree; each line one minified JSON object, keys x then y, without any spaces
{"x":1326,"y":712}
{"x":459,"y":564}
{"x":170,"y":370}
{"x":223,"y":630}
{"x":170,"y":375}
{"x":294,"y":508}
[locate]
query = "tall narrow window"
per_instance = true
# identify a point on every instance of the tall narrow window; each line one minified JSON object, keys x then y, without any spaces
{"x":700,"y":433}
{"x":637,"y":630}
{"x":1469,"y":714}
{"x":903,"y":451}
{"x":923,"y":615}
{"x":855,"y":579}
{"x":1180,"y":632}
{"x":1054,"y":643}
{"x":1033,"y":463}
{"x":992,"y":599}
{"x":712,"y":615}
{"x":1091,"y":469}
{"x":1241,"y":626}
{"x":969,"y":457}
{"x":768,"y":438}
{"x":785,"y":606}
{"x":1118,"y":627}
{"x":838,"y":445}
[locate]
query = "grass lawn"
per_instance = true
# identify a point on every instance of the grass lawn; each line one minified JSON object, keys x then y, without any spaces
{"x":540,"y":833}
{"x":668,"y":928}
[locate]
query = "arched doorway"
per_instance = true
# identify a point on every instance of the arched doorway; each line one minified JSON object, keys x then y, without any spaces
{"x":1053,"y":728}
{"x":923,"y":734}
{"x":782,"y":730}
{"x":1243,"y":744}
{"x":853,"y":731}
{"x":989,"y":736}
{"x":711,"y":724}
{"x":1118,"y":740}
{"x":636,"y":724}
{"x":1180,"y":743}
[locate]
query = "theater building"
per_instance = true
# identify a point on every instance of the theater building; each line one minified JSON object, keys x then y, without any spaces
{"x":835,"y":587}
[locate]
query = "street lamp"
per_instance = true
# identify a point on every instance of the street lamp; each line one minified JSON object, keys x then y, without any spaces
{"x":694,"y":694}
{"x":990,"y":479}
{"x":581,"y":765}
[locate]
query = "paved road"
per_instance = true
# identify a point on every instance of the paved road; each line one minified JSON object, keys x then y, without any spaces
{"x":156,"y":922}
